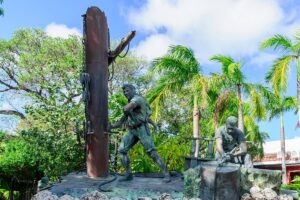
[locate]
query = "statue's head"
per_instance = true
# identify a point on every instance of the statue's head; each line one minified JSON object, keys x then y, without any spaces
{"x":129,"y":91}
{"x":231,"y":124}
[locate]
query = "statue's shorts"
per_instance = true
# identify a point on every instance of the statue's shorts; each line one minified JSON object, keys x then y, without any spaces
{"x":133,"y":136}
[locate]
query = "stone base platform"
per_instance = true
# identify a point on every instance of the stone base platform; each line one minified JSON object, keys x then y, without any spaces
{"x":143,"y":185}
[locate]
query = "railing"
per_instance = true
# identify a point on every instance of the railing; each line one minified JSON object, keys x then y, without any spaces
{"x":205,"y":153}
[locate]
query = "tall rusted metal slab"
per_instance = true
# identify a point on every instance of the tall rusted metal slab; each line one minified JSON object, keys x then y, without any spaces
{"x":96,"y":49}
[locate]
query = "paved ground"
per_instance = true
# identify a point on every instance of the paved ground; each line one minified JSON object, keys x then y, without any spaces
{"x":143,"y":185}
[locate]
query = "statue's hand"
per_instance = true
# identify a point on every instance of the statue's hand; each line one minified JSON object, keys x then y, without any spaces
{"x":227,"y":157}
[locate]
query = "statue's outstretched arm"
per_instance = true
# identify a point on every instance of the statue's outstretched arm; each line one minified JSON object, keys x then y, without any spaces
{"x":119,"y":123}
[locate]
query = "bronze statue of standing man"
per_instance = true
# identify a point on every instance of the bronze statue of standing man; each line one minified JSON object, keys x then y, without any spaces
{"x":136,"y":117}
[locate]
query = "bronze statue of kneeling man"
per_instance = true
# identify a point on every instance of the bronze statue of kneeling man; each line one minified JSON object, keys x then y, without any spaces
{"x":231,"y":144}
{"x":137,"y":118}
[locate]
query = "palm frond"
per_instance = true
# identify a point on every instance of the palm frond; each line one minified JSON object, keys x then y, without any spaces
{"x":258,"y":109}
{"x":297,"y":37}
{"x":225,"y":61}
{"x":296,"y":48}
{"x":235,"y":73}
{"x":179,"y":60}
{"x":278,"y":104}
{"x":263,"y":90}
{"x":217,"y":81}
{"x":289,"y":103}
{"x":200,"y":86}
{"x":156,"y":97}
{"x":185,"y":54}
{"x":255,"y":136}
{"x":220,"y":105}
{"x":277,"y":42}
{"x":277,"y":75}
{"x":273,"y":106}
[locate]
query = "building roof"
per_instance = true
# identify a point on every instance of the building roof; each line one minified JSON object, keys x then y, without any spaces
{"x":272,"y":153}
{"x":277,"y":163}
{"x":291,"y":145}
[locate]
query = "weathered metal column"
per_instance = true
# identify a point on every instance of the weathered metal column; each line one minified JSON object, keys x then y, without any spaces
{"x":96,"y":49}
{"x":95,"y":84}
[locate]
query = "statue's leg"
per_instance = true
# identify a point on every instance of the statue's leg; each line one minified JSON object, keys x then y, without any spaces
{"x":125,"y":162}
{"x":149,"y":146}
{"x":154,"y":155}
{"x":126,"y":144}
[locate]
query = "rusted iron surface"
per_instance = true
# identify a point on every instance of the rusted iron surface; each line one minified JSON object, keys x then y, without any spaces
{"x":124,"y":42}
{"x":96,"y":47}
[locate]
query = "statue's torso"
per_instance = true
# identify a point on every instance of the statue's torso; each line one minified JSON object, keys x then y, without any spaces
{"x":140,"y":114}
{"x":230,"y":141}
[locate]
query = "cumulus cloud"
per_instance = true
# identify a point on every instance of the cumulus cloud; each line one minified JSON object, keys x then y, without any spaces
{"x":153,"y":46}
{"x":61,"y":30}
{"x":234,"y":27}
{"x":262,"y":59}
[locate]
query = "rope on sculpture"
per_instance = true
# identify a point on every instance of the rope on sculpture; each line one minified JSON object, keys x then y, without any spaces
{"x":111,"y":74}
{"x":107,"y":182}
{"x":123,"y":56}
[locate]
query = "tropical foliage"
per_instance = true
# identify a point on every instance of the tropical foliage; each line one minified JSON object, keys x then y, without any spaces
{"x":278,"y":73}
{"x":43,"y":72}
{"x":179,"y":70}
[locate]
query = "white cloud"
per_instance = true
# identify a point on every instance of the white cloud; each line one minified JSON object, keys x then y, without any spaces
{"x":234,"y":27}
{"x":61,"y":30}
{"x":263,"y":59}
{"x":153,"y":46}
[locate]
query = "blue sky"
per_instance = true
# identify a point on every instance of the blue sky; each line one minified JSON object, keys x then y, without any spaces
{"x":227,"y":27}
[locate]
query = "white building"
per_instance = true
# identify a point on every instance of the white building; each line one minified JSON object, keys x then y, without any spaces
{"x":272,"y":157}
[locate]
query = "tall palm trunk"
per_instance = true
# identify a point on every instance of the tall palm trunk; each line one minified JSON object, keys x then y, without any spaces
{"x":221,"y":102}
{"x":282,"y":144}
{"x":196,"y":118}
{"x":240,"y":108}
{"x":298,"y":91}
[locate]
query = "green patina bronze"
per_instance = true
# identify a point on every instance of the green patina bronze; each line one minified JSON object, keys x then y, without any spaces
{"x":230,"y":135}
{"x":231,"y":144}
{"x":137,"y":118}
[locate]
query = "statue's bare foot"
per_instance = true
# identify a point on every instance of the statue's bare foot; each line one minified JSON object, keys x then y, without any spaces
{"x":127,"y":177}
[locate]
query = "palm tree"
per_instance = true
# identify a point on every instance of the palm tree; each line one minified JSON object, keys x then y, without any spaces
{"x":180,"y":69}
{"x":277,"y":105}
{"x":255,"y":136}
{"x":234,"y":79}
{"x":278,"y":73}
{"x":220,"y":105}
